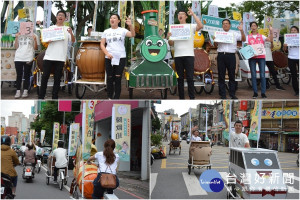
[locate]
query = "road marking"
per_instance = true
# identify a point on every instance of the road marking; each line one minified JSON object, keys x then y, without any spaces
{"x":163,"y":163}
{"x":129,"y":193}
{"x":292,"y":190}
{"x":192,"y":184}
{"x":171,"y":163}
{"x":44,"y":168}
{"x":153,"y":179}
{"x":296,"y":178}
{"x":224,"y":176}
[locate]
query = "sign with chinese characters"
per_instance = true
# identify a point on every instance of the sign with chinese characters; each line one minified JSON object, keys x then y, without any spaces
{"x":291,"y":39}
{"x":268,"y":21}
{"x":32,"y":135}
{"x":277,"y":113}
{"x":23,"y":13}
{"x":227,"y":118}
{"x":73,"y":138}
{"x":254,"y":132}
{"x":196,"y":7}
{"x":55,"y":135}
{"x":53,"y":34}
{"x":180,"y":31}
{"x":213,"y":10}
{"x":43,"y":132}
{"x":247,"y":52}
{"x":161,"y":15}
{"x":122,"y":12}
{"x":259,"y":49}
{"x":223,"y":37}
{"x":88,"y":117}
{"x":215,"y":24}
{"x":237,"y":16}
{"x":122,"y":130}
{"x":26,"y":28}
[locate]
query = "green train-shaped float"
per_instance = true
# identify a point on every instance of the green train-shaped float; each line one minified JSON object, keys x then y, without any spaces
{"x":150,"y":71}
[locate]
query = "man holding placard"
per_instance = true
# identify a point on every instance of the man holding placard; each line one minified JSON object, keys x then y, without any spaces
{"x":55,"y":56}
{"x":227,"y":46}
{"x":184,"y":54}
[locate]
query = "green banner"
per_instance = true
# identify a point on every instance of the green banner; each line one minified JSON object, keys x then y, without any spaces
{"x":212,"y":24}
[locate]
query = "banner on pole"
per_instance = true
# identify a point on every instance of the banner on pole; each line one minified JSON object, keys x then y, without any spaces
{"x":161,"y":15}
{"x":122,"y":11}
{"x":172,"y":10}
{"x":32,"y":7}
{"x":227,"y":118}
{"x":43,"y":133}
{"x":88,"y":126}
{"x":213,"y":10}
{"x":73,"y":138}
{"x":122,"y":130}
{"x":32,"y":136}
{"x":55,"y":135}
{"x":196,"y":8}
{"x":47,"y":13}
{"x":254,"y":131}
{"x":268,"y":21}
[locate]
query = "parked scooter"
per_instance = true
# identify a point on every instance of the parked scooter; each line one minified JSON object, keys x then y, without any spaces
{"x":28,"y":171}
{"x":6,"y":187}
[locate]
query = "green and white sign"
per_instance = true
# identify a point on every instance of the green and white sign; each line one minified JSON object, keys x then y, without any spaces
{"x":212,"y":24}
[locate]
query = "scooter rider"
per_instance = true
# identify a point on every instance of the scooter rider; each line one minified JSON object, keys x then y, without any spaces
{"x":60,"y":155}
{"x":30,"y":156}
{"x":9,"y":159}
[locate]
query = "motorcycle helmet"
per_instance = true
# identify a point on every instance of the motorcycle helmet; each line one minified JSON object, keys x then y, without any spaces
{"x":5,"y":140}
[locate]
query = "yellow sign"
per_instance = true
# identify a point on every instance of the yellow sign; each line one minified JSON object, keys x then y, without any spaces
{"x":264,"y":31}
{"x":2,"y":130}
{"x":161,"y":15}
{"x":23,"y":13}
{"x":277,"y":113}
{"x":88,"y":124}
{"x":268,"y":21}
{"x":55,"y":135}
{"x":32,"y":136}
{"x":254,"y":126}
{"x":237,"y":16}
{"x":122,"y":130}
{"x":122,"y":11}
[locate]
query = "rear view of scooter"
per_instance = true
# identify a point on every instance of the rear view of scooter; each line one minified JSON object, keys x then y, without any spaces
{"x":6,"y":187}
{"x":28,"y":172}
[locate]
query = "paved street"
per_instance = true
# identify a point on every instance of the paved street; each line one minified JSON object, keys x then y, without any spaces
{"x":170,"y":179}
{"x":37,"y":189}
{"x":243,"y":92}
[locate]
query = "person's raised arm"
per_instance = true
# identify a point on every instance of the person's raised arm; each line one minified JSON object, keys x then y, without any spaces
{"x":243,"y":36}
{"x":197,"y":20}
{"x":131,"y":33}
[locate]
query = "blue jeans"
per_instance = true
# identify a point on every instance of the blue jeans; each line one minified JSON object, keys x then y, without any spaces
{"x":261,"y":65}
{"x":98,"y":190}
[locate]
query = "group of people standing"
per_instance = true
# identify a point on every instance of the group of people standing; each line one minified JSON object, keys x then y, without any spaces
{"x":113,"y":46}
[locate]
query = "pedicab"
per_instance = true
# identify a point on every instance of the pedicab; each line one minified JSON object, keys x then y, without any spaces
{"x":203,"y":75}
{"x":199,"y":155}
{"x":62,"y":174}
{"x":175,"y":144}
{"x":150,"y":72}
{"x":90,"y":68}
{"x":255,"y":173}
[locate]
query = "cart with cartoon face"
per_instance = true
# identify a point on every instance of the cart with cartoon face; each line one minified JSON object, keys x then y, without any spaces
{"x":255,"y":173}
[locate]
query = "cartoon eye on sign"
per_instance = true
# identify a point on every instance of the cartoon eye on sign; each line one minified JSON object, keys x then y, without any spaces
{"x":154,"y":49}
{"x":268,"y":162}
{"x":255,"y":161}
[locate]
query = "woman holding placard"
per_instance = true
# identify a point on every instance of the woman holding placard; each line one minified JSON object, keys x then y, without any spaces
{"x":26,"y":46}
{"x":255,"y":39}
{"x":293,"y":60}
{"x":115,"y":53}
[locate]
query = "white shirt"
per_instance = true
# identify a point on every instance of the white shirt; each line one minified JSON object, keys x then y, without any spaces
{"x":268,"y":51}
{"x":168,"y":56}
{"x":57,"y":50}
{"x":230,"y":47}
{"x":115,"y":40}
{"x":25,"y":51}
{"x":61,"y":157}
{"x":102,"y":165}
{"x":293,"y":52}
{"x":196,"y":139}
{"x":185,"y":47}
{"x":23,"y":148}
{"x":39,"y":151}
{"x":238,"y":140}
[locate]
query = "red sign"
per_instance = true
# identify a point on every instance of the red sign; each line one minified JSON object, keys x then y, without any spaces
{"x":63,"y":129}
{"x":246,"y":123}
{"x":65,"y":106}
{"x":243,"y":105}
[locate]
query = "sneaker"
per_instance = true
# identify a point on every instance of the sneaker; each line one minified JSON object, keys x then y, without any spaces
{"x":280,"y":88}
{"x":263,"y":96}
{"x":18,"y":94}
{"x":255,"y":95}
{"x":55,"y":182}
{"x":234,"y":97}
{"x":25,"y":94}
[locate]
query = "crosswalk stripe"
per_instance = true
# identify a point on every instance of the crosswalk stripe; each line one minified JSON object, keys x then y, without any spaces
{"x":192,"y":184}
{"x":153,"y":179}
{"x":292,"y":189}
{"x":296,"y":178}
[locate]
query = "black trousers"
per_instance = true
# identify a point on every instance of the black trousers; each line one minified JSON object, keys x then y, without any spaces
{"x":114,"y":77}
{"x":47,"y":66}
{"x":226,"y":61}
{"x":55,"y":172}
{"x":185,"y":63}
{"x":273,"y":72}
{"x":98,"y":190}
{"x":22,"y":67}
{"x":292,"y":65}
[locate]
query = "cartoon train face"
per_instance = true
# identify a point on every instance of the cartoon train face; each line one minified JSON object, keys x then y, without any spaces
{"x":154,"y":48}
{"x":258,"y":173}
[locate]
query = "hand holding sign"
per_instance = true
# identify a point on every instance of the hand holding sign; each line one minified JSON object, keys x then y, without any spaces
{"x":13,"y":27}
{"x":223,"y":37}
{"x":247,"y":52}
{"x":259,"y":49}
{"x":26,"y":28}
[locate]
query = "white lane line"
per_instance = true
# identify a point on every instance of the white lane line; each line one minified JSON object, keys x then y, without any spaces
{"x":292,"y":189}
{"x":192,"y":184}
{"x":296,"y":178}
{"x":153,"y":179}
{"x":223,"y":175}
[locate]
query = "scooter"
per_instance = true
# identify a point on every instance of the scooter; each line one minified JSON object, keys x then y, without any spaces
{"x":28,"y":172}
{"x":6,"y":187}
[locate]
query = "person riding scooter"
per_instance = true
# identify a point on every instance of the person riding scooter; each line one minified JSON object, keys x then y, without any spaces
{"x":30,"y":157}
{"x":9,"y":159}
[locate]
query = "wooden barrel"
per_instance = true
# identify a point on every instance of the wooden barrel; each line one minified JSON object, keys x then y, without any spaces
{"x":280,"y":59}
{"x":90,"y":60}
{"x":202,"y":62}
{"x":89,"y":174}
